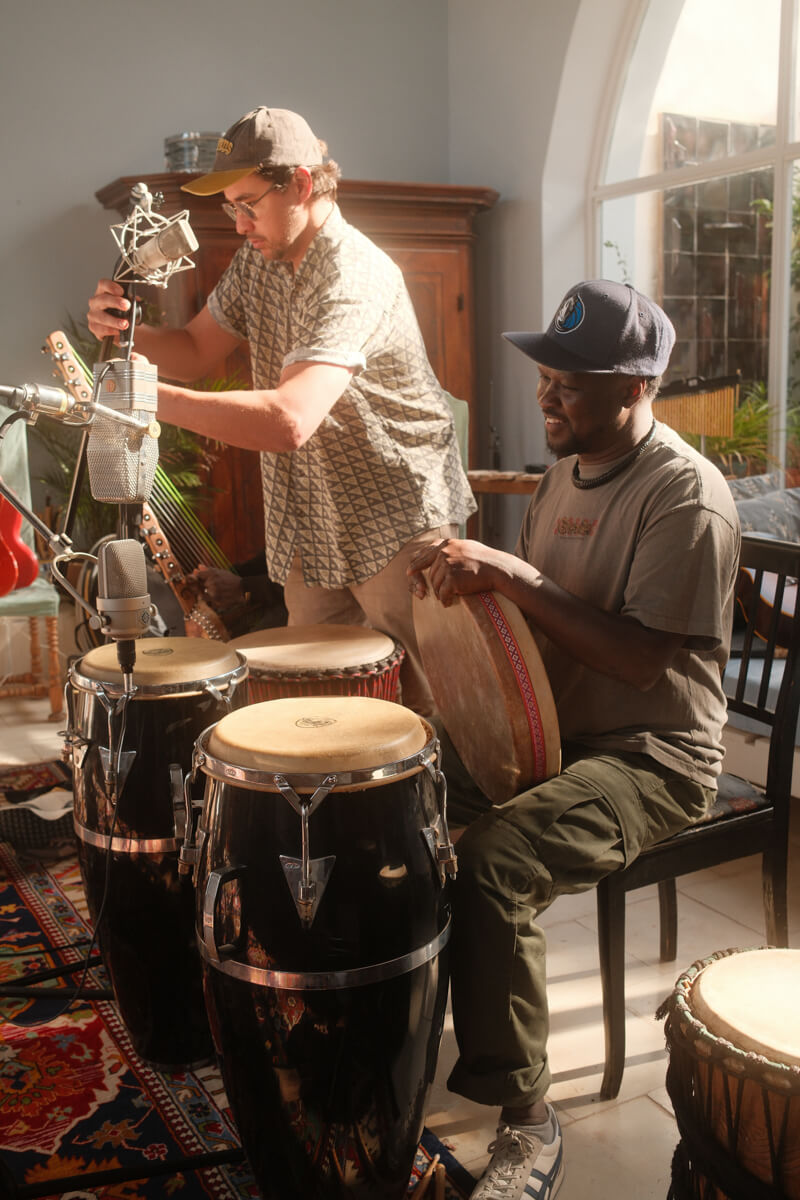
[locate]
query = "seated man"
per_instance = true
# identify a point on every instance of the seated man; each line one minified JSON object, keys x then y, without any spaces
{"x":625,"y":569}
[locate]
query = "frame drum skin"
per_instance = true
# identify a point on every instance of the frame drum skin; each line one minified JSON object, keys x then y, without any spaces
{"x":491,"y":689}
{"x":326,"y":999}
{"x":145,"y":920}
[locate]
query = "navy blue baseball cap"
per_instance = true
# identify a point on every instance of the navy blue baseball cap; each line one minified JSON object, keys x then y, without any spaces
{"x":603,"y":327}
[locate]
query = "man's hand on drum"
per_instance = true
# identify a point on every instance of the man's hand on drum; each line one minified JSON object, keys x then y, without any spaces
{"x":222,"y":589}
{"x":457,"y":567}
{"x":102,"y":323}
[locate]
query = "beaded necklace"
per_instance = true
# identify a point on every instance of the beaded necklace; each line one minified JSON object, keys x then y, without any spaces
{"x":617,"y":469}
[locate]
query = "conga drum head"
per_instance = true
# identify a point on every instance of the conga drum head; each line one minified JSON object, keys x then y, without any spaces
{"x":491,"y":689}
{"x":325,"y":735}
{"x":722,"y":999}
{"x":162,"y":662}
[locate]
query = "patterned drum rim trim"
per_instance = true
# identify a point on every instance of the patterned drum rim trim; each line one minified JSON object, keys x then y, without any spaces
{"x":380,"y":666}
{"x":329,"y":981}
{"x":523,"y":681}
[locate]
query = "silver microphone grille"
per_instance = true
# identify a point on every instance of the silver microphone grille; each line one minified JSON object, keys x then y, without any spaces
{"x":122,"y":461}
{"x":121,"y":570}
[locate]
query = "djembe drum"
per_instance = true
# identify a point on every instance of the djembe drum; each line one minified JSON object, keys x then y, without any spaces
{"x":491,"y":689}
{"x":323,"y":919}
{"x":733,"y":1038}
{"x":129,"y":761}
{"x":320,"y":660}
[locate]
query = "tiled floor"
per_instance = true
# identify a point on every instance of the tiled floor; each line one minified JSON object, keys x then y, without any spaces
{"x":614,"y":1149}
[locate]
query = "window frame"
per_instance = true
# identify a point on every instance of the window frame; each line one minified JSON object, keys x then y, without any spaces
{"x":782,"y":158}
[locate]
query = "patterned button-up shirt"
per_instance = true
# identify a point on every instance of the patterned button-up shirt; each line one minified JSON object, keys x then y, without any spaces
{"x":384,"y":464}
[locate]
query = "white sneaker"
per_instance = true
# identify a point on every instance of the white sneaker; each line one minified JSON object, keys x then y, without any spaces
{"x":521,"y":1165}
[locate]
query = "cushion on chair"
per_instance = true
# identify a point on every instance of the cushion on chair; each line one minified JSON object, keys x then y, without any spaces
{"x":755,"y":485}
{"x":39,"y":600}
{"x":775,"y":513}
{"x":734,"y":796}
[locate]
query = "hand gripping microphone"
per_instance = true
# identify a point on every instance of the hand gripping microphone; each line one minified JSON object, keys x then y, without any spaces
{"x":123,"y":602}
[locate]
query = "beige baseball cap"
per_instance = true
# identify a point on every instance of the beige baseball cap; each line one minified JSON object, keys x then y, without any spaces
{"x":274,"y":137}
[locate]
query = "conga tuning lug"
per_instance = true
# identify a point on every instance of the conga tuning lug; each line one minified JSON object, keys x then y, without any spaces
{"x":121,"y":767}
{"x":307,"y":882}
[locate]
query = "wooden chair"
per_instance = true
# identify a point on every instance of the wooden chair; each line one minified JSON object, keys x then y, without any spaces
{"x":763,"y":689}
{"x":37,"y":602}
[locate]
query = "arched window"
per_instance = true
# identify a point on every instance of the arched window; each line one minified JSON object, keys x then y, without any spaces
{"x":696,"y":201}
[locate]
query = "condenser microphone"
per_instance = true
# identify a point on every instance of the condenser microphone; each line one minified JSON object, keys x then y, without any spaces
{"x":33,"y":399}
{"x":123,"y":602}
{"x":122,"y":458}
{"x":167,"y":246}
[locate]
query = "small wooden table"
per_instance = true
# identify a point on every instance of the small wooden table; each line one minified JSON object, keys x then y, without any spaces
{"x":499,"y":483}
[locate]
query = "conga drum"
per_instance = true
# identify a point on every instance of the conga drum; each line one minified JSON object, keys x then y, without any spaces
{"x":733,"y":1037}
{"x":129,"y":761}
{"x":320,"y":660}
{"x":323,"y":918}
{"x":491,"y":689}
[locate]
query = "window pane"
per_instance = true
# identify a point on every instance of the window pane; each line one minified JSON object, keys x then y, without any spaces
{"x":709,"y":94}
{"x":703,"y":252}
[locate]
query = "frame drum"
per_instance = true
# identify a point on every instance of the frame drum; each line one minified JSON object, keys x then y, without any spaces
{"x":491,"y":689}
{"x":320,"y":660}
{"x":734,"y":1076}
{"x":323,"y":919}
{"x":129,"y":760}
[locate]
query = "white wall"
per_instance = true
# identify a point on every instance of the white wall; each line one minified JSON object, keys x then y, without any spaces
{"x":505,"y":66}
{"x":90,"y":89}
{"x":506,"y":95}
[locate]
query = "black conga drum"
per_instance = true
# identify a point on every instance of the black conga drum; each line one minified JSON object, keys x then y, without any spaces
{"x":323,"y":917}
{"x":733,"y":1037}
{"x":130,"y":758}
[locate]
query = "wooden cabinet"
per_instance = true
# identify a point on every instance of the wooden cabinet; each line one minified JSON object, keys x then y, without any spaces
{"x":428,"y":229}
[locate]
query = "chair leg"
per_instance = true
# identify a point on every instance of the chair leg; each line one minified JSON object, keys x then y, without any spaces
{"x":611,"y":945}
{"x":55,"y":689}
{"x":668,"y":919}
{"x":774,"y":892}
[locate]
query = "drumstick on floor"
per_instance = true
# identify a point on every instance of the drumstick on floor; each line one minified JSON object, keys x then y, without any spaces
{"x":422,"y":1186}
{"x":439,"y":1181}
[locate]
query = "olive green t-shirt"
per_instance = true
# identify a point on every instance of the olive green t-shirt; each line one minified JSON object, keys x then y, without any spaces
{"x":660,"y":542}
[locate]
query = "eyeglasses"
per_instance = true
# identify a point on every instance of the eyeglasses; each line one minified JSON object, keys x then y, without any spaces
{"x":234,"y":208}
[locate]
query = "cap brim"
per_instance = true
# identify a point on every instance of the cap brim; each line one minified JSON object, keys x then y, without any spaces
{"x":544,"y":350}
{"x":217,"y":181}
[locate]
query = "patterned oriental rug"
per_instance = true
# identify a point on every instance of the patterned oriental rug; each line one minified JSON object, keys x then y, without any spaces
{"x":77,"y":1103}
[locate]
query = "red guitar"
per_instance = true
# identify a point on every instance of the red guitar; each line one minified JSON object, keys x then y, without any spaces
{"x":25,"y":563}
{"x":9,"y":571}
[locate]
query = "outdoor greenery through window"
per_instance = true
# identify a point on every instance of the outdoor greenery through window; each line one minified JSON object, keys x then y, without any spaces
{"x":698,"y":204}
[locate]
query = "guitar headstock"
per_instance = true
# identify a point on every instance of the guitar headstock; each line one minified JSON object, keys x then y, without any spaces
{"x":68,"y":366}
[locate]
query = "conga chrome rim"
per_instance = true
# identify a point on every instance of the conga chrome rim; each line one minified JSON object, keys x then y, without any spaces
{"x":267,"y":781}
{"x":312,"y":981}
{"x":225,"y":680}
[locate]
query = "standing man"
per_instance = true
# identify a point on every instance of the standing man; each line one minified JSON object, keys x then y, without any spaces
{"x":359,"y":460}
{"x":625,"y":568}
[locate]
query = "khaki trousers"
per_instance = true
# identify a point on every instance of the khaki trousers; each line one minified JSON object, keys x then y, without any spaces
{"x":564,"y":835}
{"x":382,"y":602}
